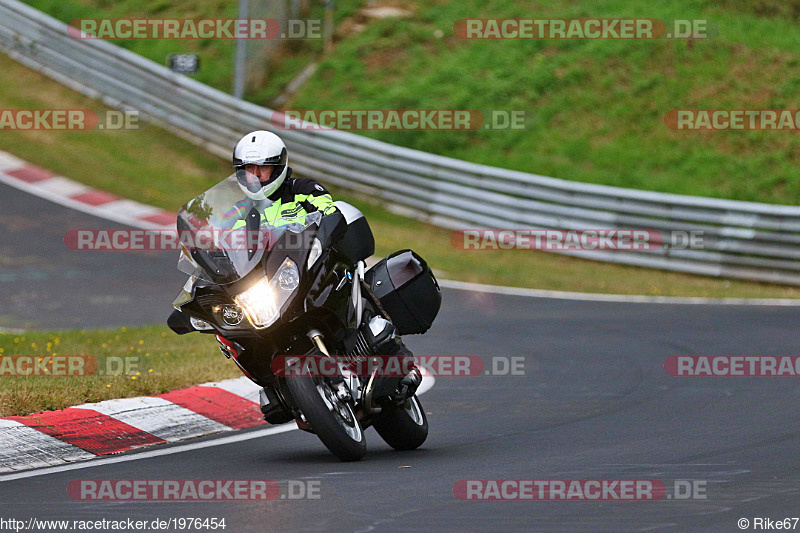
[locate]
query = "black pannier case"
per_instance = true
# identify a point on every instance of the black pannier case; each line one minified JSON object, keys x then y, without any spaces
{"x":407,"y":290}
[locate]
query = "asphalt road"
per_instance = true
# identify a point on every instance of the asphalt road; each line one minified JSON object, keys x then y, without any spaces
{"x":594,"y":403}
{"x":45,"y":285}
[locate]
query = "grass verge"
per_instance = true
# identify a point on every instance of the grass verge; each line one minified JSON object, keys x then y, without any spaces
{"x":598,"y":106}
{"x":153,"y":166}
{"x":156,"y":360}
{"x":216,"y":55}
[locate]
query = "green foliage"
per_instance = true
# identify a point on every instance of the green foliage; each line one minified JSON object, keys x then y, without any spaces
{"x":597,"y":107}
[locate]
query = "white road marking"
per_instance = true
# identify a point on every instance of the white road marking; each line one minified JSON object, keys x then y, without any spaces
{"x":623,"y":298}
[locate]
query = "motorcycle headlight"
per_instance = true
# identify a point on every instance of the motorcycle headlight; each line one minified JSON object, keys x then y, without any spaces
{"x":263,"y":301}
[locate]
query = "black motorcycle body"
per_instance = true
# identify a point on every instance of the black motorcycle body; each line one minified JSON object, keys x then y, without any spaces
{"x":321,"y":301}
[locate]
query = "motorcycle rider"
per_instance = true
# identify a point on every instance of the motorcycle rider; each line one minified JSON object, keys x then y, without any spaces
{"x":262,"y":156}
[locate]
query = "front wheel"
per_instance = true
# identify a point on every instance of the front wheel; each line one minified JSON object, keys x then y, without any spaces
{"x":404,"y":426}
{"x":331,"y":418}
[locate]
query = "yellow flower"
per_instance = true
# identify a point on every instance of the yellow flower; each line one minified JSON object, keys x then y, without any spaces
{"x":133,"y":377}
{"x":108,"y":385}
{"x":141,"y":341}
{"x":150,"y":370}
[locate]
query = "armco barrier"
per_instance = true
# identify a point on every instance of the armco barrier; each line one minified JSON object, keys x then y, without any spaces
{"x":741,"y":239}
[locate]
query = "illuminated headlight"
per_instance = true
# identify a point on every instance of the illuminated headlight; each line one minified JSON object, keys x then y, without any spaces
{"x":313,"y":255}
{"x":262,"y":302}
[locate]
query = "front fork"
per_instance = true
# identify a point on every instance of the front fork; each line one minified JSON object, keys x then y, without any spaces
{"x":350,"y":388}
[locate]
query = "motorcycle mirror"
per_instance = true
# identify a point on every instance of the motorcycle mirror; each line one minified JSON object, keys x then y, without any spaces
{"x":179,"y":323}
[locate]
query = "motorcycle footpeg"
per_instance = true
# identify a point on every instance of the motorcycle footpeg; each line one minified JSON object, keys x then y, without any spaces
{"x":271,"y":407}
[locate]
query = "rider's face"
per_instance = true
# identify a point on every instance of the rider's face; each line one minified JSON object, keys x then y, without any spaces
{"x":262,"y":172}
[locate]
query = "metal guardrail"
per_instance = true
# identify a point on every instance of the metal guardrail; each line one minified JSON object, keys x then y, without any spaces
{"x":743,"y":240}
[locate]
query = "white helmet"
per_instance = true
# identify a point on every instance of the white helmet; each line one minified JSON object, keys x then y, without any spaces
{"x":260,"y":148}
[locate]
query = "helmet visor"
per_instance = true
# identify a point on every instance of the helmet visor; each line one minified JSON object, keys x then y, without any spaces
{"x":251,"y":183}
{"x":265,"y":174}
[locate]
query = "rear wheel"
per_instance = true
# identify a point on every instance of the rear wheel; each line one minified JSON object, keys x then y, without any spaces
{"x":404,"y":426}
{"x":330,"y":417}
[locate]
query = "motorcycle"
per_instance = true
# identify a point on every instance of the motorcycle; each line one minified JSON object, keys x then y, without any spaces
{"x":300,"y":291}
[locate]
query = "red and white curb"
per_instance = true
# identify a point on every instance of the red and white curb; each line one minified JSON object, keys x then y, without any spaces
{"x":35,"y":180}
{"x":85,"y":431}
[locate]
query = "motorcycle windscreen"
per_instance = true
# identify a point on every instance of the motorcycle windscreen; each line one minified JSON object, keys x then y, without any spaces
{"x":225,"y":232}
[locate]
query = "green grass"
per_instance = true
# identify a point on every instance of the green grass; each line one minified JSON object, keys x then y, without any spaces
{"x":598,"y":107}
{"x":216,"y":55}
{"x":158,"y":360}
{"x":149,"y":164}
{"x":152,"y":166}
